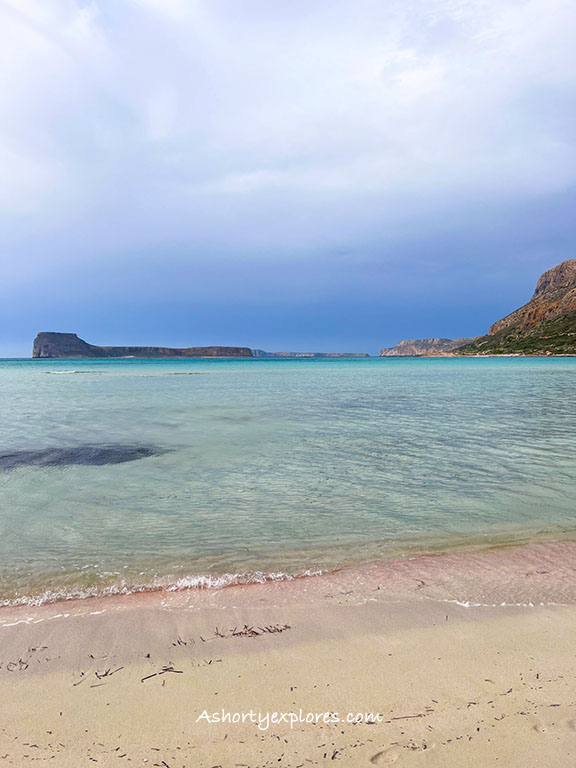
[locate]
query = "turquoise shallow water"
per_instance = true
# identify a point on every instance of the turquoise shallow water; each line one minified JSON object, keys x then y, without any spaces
{"x":273,"y":467}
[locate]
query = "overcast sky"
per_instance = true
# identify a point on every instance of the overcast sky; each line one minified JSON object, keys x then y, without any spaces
{"x":302,"y":174}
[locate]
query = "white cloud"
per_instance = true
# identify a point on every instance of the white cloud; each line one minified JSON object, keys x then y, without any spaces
{"x":190,"y":120}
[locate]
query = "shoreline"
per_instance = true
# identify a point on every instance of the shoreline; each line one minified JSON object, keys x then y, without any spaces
{"x":129,"y":678}
{"x":482,"y":564}
{"x":442,"y":660}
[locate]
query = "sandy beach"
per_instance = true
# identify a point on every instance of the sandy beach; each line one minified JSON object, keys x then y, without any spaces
{"x":358,"y":672}
{"x":287,"y":384}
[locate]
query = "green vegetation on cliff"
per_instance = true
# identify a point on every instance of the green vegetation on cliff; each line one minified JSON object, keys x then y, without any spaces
{"x":550,"y":337}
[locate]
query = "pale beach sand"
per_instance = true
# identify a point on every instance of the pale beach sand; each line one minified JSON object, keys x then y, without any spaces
{"x":123,"y":680}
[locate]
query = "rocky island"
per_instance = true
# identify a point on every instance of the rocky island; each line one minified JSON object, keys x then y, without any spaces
{"x":70,"y":345}
{"x":51,"y":345}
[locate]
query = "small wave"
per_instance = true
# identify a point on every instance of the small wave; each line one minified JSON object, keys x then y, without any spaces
{"x":470,"y":604}
{"x":235,"y":579}
{"x":199,"y":581}
{"x":170,"y":373}
{"x":70,"y":373}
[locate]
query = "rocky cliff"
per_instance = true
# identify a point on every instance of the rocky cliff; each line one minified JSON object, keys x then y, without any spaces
{"x":70,"y":345}
{"x":423,"y":347}
{"x":546,"y":325}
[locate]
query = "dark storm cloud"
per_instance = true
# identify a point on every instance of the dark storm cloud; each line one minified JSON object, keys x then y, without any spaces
{"x":223,"y":168}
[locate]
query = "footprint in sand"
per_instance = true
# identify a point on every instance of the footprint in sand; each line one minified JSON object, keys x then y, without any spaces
{"x":386,"y":757}
{"x":546,"y":728}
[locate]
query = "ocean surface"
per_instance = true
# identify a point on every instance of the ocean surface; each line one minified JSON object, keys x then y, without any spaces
{"x":125,"y":475}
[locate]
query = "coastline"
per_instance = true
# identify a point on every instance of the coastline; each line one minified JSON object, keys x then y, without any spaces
{"x":392,"y":561}
{"x":128,"y":677}
{"x":439,"y":507}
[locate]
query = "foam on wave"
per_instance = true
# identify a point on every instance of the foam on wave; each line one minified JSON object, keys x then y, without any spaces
{"x":199,"y":581}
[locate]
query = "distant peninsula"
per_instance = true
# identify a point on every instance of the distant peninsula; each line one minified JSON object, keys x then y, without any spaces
{"x":423,"y":347}
{"x":546,"y":325}
{"x":69,"y":345}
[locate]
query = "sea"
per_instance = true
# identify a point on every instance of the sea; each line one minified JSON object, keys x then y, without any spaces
{"x":129,"y":475}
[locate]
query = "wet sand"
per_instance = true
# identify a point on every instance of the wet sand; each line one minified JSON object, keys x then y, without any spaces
{"x":126,"y":680}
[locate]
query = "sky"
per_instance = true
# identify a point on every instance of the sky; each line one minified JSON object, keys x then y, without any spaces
{"x":312,"y":175}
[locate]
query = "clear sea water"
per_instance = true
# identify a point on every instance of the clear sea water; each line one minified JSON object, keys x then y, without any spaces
{"x":269,"y":468}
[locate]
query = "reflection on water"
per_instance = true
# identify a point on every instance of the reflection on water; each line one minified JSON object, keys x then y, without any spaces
{"x":95,"y":455}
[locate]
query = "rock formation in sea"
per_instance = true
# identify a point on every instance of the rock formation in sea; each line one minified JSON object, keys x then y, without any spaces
{"x":546,"y":325}
{"x":48,"y":344}
{"x":424,"y":347}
